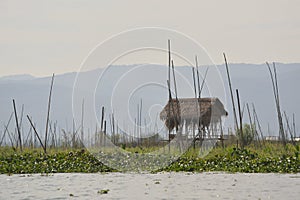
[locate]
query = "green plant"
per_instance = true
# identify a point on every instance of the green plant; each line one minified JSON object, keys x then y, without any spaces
{"x":248,"y":134}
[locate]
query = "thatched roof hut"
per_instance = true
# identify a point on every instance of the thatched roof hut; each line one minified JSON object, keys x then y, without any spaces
{"x":191,"y":110}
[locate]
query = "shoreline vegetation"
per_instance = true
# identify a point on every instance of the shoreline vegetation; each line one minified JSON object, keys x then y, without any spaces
{"x":272,"y":158}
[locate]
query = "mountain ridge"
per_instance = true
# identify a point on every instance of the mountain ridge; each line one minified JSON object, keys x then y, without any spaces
{"x":254,"y":85}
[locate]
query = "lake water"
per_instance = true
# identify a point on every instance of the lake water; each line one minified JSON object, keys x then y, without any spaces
{"x":151,"y":186}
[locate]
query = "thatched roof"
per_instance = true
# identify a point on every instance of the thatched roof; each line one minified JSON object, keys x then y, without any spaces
{"x":188,"y":109}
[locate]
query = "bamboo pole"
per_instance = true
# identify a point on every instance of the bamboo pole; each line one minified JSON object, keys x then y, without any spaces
{"x":241,"y":118}
{"x":177,"y":115}
{"x":258,"y":124}
{"x":102,"y":118}
{"x":48,"y":113}
{"x":17,"y":124}
{"x":294,"y":125}
{"x":169,"y":54}
{"x":137,"y":125}
{"x":253,"y":132}
{"x":231,"y":93}
{"x":199,"y":100}
{"x":10,"y":117}
{"x":197,"y":104}
{"x":203,"y":81}
{"x":9,"y":137}
{"x":276,"y":96}
{"x":194,"y":81}
{"x":21,"y":117}
{"x":34,"y":129}
{"x":104,"y":133}
{"x":289,"y":128}
{"x":198,"y":79}
{"x":113,"y":128}
{"x":141,"y":108}
{"x":174,"y":79}
{"x":82,"y":125}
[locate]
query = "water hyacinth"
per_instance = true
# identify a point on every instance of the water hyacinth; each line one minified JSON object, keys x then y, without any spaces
{"x":82,"y":161}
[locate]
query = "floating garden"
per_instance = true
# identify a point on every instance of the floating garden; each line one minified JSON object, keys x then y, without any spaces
{"x":273,"y":158}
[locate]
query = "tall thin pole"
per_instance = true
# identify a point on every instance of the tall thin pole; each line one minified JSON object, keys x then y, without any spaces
{"x":17,"y":124}
{"x":198,"y":79}
{"x":253,"y":131}
{"x":21,"y":117}
{"x":231,"y":94}
{"x":276,"y":96}
{"x":203,"y":81}
{"x":10,"y":117}
{"x":169,"y":112}
{"x":177,"y":114}
{"x":113,"y":127}
{"x":102,"y":118}
{"x":241,"y":118}
{"x":289,"y":128}
{"x":11,"y":141}
{"x":194,"y":81}
{"x":141,"y":118}
{"x":169,"y":53}
{"x":199,"y":98}
{"x":169,"y":89}
{"x":197,"y":104}
{"x":36,"y":133}
{"x":104,"y":133}
{"x":138,"y":124}
{"x":258,"y":124}
{"x":48,"y":114}
{"x":294,"y":125}
{"x":174,"y":80}
{"x":134,"y":128}
{"x":82,"y":126}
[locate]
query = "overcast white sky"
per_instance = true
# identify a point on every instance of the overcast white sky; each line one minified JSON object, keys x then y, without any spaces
{"x":42,"y":37}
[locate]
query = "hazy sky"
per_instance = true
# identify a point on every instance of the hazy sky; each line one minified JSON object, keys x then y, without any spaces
{"x":42,"y":37}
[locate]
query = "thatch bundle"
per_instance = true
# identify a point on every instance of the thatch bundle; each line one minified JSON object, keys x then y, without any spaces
{"x":191,"y":110}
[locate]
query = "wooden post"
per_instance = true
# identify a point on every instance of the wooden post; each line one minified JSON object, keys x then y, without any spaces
{"x":289,"y":129}
{"x":231,"y":93}
{"x":17,"y":124}
{"x":294,"y":125}
{"x":241,"y":118}
{"x":253,"y":132}
{"x":276,"y":96}
{"x":102,"y":118}
{"x":222,"y":135}
{"x":104,"y":133}
{"x":48,"y":113}
{"x":5,"y":131}
{"x":141,"y":119}
{"x":36,"y":133}
{"x":82,"y":126}
{"x":258,"y":124}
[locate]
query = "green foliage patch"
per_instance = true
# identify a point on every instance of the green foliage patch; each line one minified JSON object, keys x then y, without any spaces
{"x":55,"y":162}
{"x":272,"y":158}
{"x":238,"y":160}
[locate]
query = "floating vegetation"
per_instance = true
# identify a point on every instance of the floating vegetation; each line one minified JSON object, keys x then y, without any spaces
{"x":238,"y":160}
{"x":28,"y":162}
{"x":267,"y":160}
{"x":105,"y":191}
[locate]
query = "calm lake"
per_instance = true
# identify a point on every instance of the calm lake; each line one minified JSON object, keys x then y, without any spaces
{"x":151,"y":186}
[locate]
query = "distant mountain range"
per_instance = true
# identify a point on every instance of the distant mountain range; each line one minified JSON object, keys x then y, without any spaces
{"x":121,"y":88}
{"x":19,"y":77}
